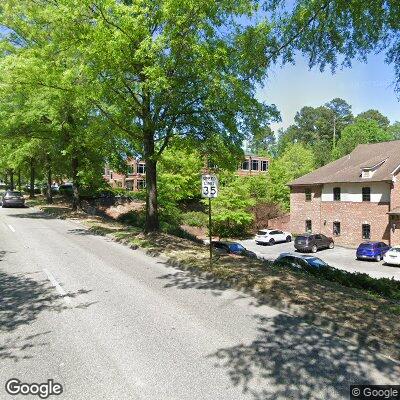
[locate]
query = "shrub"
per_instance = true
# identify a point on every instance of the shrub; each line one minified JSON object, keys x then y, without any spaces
{"x":384,"y":287}
{"x":179,"y":232}
{"x":231,"y":209}
{"x":134,"y":218}
{"x":195,"y":218}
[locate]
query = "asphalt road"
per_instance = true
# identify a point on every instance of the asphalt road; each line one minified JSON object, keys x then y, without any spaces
{"x":110,"y":323}
{"x":339,"y":257}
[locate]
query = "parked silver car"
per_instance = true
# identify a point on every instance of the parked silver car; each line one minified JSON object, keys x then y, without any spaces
{"x":12,"y":198}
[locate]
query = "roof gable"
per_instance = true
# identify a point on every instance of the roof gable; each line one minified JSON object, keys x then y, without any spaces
{"x":383,"y":158}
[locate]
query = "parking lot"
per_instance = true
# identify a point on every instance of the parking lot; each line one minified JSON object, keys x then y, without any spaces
{"x":339,"y":257}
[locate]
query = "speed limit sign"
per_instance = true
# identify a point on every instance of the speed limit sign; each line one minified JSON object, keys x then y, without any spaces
{"x":209,"y":186}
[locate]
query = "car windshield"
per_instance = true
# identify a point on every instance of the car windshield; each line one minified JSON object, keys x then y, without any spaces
{"x":261,"y":232}
{"x":236,"y":247}
{"x":395,"y":250}
{"x":10,"y":194}
{"x":366,"y":246}
{"x":316,"y":262}
{"x":304,"y":238}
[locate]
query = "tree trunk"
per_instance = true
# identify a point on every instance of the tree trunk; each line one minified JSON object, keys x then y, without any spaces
{"x":152,"y":220}
{"x":11,"y":179}
{"x":19,"y":180}
{"x":32,"y":180}
{"x":75,"y":184}
{"x":49,"y":195}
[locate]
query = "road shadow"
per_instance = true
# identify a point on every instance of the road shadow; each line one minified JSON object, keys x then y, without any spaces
{"x":34,"y":215}
{"x":88,"y":232}
{"x":290,"y":359}
{"x":370,"y":322}
{"x":22,"y":348}
{"x":22,"y":299}
{"x":184,"y":279}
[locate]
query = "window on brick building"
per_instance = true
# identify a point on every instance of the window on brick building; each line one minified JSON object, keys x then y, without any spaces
{"x":336,"y":228}
{"x":307,"y":193}
{"x":308,"y":226}
{"x":366,"y":231}
{"x":366,"y":194}
{"x":140,"y":184}
{"x":245,"y":165}
{"x":254,"y":165}
{"x":141,"y":169}
{"x":129,"y":185}
{"x":336,"y":194}
{"x":264,"y":165}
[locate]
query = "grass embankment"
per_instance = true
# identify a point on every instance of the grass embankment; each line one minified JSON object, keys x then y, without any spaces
{"x":370,"y":319}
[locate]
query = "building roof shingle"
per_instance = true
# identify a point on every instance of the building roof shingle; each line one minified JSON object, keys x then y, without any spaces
{"x":349,"y":168}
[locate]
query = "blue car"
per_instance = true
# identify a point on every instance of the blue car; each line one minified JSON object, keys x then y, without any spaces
{"x":372,"y":251}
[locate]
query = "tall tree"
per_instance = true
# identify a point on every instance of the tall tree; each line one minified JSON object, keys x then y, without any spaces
{"x":297,"y":160}
{"x":363,"y":131}
{"x":394,"y":130}
{"x":262,"y":141}
{"x":154,"y":72}
{"x":319,"y":128}
{"x":375,"y":115}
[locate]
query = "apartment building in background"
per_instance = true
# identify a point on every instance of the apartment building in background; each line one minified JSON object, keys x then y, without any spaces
{"x":353,"y":199}
{"x":133,"y":180}
{"x":253,"y":165}
{"x":135,"y":177}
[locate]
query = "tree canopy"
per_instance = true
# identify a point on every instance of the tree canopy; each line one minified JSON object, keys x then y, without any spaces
{"x":363,"y":131}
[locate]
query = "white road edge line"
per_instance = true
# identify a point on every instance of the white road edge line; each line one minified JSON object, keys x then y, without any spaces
{"x":58,"y":287}
{"x":11,"y":228}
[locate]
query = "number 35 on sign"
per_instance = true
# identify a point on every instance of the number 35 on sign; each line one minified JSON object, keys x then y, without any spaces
{"x":209,"y":186}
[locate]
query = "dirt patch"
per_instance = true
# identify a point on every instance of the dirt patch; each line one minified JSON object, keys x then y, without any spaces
{"x":118,"y":211}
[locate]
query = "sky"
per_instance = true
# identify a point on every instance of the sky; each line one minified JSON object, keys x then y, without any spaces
{"x":364,"y":86}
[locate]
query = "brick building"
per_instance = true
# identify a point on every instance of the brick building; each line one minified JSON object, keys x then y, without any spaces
{"x":253,"y":165}
{"x":135,"y":178}
{"x":352,"y":199}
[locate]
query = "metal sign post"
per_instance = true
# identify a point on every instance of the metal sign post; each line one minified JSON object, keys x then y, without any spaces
{"x":209,"y":189}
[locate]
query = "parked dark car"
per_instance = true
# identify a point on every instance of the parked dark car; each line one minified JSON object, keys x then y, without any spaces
{"x":372,"y":251}
{"x":313,"y":242}
{"x":12,"y":198}
{"x":66,"y":189}
{"x":232,"y":248}
{"x":300,"y":261}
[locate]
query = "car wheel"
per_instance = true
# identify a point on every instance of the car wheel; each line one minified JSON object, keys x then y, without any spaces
{"x":289,"y":239}
{"x":314,"y":249}
{"x":378,"y":258}
{"x":331,"y":245}
{"x":271,"y":242}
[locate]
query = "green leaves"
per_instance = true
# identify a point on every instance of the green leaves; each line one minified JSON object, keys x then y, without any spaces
{"x":297,"y":160}
{"x":361,"y":132}
{"x":231,"y":209}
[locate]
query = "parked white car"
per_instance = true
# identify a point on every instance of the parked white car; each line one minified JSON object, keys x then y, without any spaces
{"x":392,"y":256}
{"x":272,"y":236}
